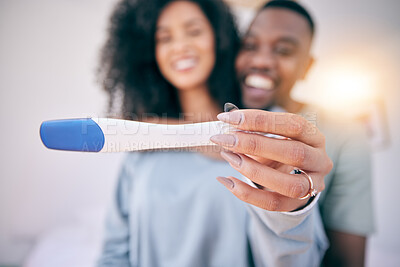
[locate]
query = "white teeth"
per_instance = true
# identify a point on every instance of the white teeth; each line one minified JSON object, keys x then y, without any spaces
{"x":258,"y":81}
{"x":185,"y":64}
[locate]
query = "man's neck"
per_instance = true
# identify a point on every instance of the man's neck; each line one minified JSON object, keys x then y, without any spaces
{"x":290,"y":105}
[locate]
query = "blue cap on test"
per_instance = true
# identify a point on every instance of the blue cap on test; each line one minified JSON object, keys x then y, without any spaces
{"x":72,"y":134}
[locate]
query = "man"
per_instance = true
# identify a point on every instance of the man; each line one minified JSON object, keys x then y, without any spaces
{"x":275,"y":54}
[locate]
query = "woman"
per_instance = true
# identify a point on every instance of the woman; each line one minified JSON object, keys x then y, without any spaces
{"x":148,"y":82}
{"x":169,"y":58}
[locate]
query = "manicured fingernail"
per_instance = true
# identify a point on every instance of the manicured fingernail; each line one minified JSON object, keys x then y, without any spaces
{"x":228,"y":107}
{"x":232,"y":158}
{"x":234,"y":117}
{"x":228,"y":183}
{"x":228,"y":140}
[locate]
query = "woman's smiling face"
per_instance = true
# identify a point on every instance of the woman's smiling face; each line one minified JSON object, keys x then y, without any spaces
{"x":185,"y":45}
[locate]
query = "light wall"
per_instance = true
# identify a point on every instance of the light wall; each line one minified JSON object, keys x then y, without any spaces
{"x":48,"y":57}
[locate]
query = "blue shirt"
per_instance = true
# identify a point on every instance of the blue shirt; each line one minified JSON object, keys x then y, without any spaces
{"x":169,"y":210}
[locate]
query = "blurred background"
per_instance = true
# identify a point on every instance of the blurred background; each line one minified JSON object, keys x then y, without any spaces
{"x":53,"y":203}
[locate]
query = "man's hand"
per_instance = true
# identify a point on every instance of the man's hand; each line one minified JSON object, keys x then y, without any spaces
{"x":268,"y":161}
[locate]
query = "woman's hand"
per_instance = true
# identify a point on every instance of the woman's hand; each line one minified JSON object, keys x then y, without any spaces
{"x":268,"y":161}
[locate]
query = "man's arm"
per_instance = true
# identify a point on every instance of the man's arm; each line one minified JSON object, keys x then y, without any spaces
{"x":346,"y":208}
{"x":345,"y":250}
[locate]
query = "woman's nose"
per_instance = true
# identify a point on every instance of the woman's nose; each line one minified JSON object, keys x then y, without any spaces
{"x":181,"y":44}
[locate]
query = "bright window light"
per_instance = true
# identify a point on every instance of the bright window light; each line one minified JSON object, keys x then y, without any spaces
{"x":347,"y":89}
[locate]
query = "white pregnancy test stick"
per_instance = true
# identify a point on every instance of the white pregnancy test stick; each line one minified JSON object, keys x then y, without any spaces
{"x":114,"y":135}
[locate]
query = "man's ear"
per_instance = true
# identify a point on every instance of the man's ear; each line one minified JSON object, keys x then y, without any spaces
{"x":309,"y":64}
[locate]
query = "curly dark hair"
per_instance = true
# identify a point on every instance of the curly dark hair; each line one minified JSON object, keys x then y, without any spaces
{"x":128,"y":64}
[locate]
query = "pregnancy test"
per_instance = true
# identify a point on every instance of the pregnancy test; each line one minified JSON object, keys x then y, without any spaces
{"x":116,"y":135}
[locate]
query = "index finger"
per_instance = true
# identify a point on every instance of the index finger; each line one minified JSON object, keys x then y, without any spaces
{"x":286,"y":124}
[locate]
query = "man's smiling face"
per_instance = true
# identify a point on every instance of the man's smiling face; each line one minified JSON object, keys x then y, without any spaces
{"x":275,"y":53}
